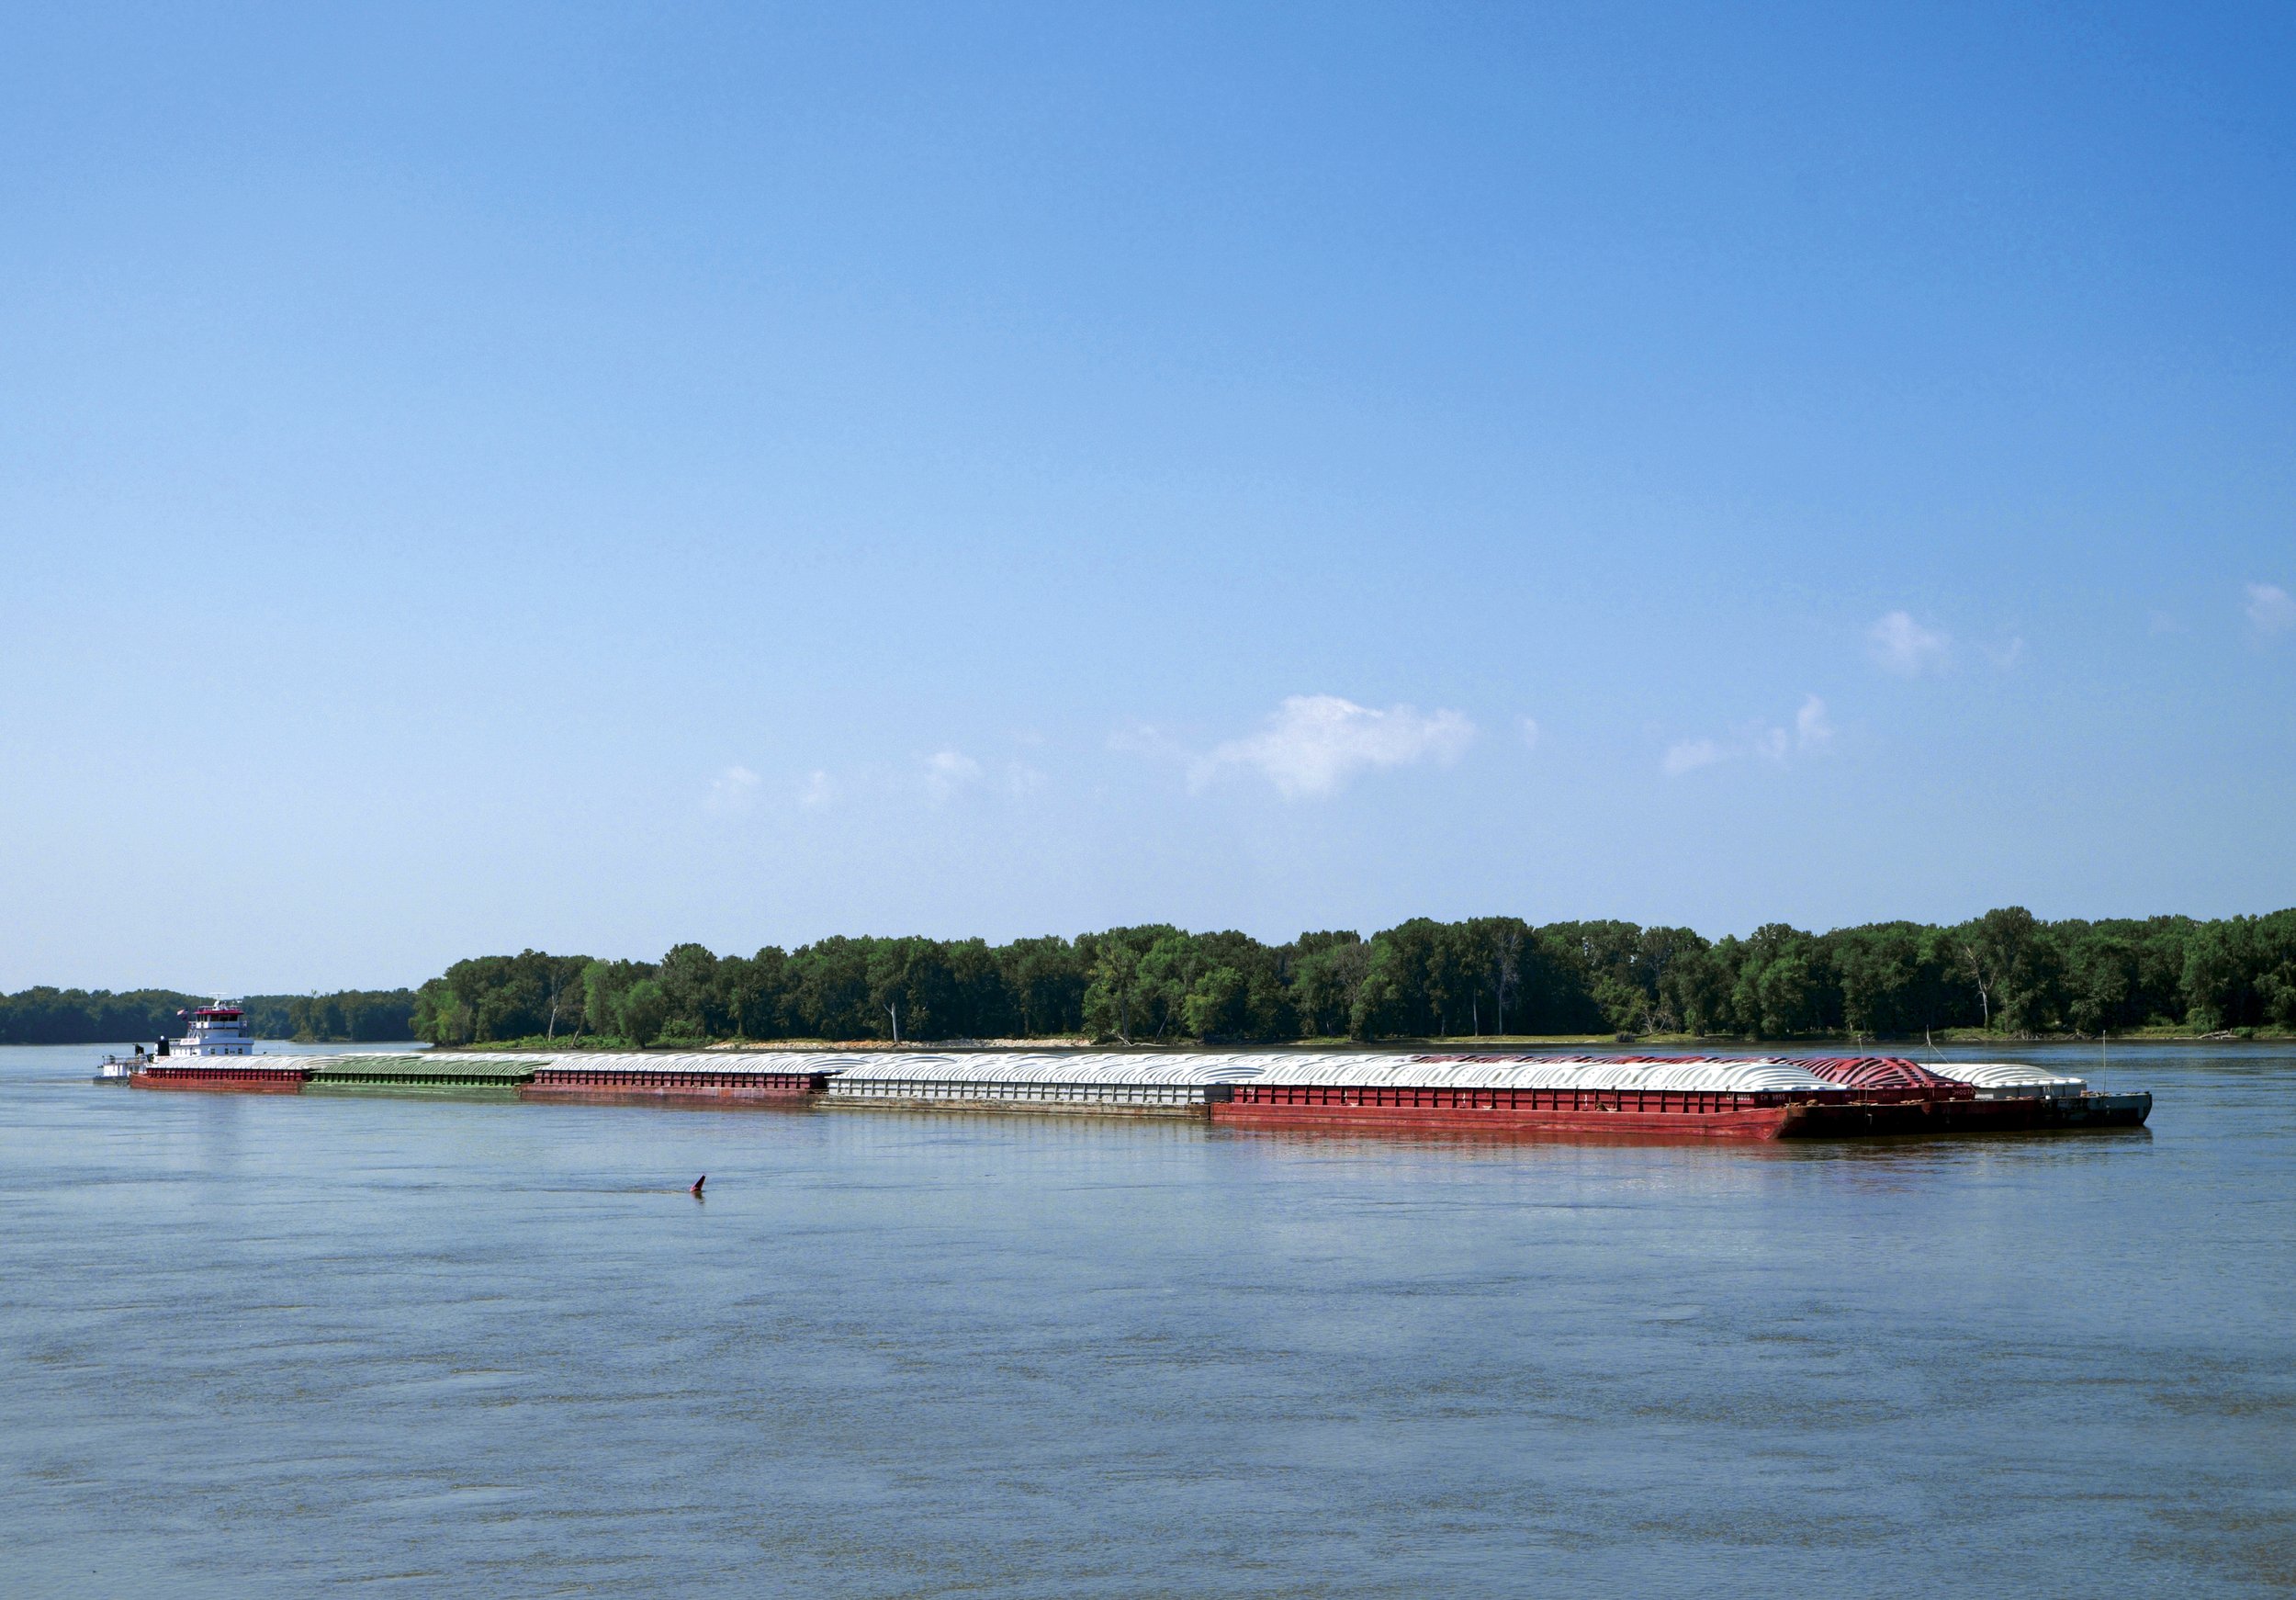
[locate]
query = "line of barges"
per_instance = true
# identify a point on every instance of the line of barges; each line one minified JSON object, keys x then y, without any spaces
{"x":1510,"y":1096}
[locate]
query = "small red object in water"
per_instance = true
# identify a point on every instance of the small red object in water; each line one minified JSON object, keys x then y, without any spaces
{"x":698,"y":1183}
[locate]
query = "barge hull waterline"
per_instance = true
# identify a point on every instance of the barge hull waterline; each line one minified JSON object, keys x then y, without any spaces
{"x":2022,"y":1114}
{"x":224,"y":1083}
{"x":1750,"y":1122}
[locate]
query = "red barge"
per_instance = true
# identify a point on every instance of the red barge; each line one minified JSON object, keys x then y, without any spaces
{"x":241,"y":1077}
{"x":1664,"y":1098}
{"x":712,"y":1079}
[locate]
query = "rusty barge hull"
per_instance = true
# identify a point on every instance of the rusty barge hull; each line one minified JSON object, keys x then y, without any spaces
{"x":626,"y":1086}
{"x":236,"y":1080}
{"x":1508,"y":1114}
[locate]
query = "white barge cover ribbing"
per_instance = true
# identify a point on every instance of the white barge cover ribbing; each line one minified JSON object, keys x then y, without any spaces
{"x":760,"y":1061}
{"x":1680,"y":1074}
{"x":1028,"y":1077}
{"x":1049,"y":1067}
{"x":1094,"y":1076}
{"x":2010,"y":1077}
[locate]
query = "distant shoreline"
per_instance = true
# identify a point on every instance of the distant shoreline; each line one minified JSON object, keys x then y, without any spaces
{"x":1603,"y":1042}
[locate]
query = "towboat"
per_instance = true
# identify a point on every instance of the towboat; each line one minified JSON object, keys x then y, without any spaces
{"x":221,"y":1029}
{"x":213,"y":1054}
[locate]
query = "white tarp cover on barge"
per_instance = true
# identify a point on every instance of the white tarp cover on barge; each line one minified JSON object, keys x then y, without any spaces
{"x":1180,"y":1078}
{"x":759,"y":1062}
{"x":2008,"y":1078}
{"x":1028,"y":1077}
{"x":1678,"y":1075}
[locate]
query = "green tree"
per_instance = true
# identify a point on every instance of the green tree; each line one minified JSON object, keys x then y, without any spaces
{"x":757,"y":994}
{"x":2016,"y":968}
{"x":603,"y":983}
{"x":1327,"y":972}
{"x":1046,"y":980}
{"x":1698,"y":986}
{"x":641,"y":1012}
{"x":689,"y":979}
{"x":1118,"y":998}
{"x":1215,"y":1004}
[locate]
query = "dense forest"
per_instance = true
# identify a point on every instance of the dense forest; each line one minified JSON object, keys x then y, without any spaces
{"x":2006,"y":971}
{"x":45,"y":1016}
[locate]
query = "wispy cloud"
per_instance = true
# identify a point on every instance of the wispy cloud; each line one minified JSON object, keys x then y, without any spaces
{"x":1145,"y":738}
{"x":2270,"y":611}
{"x":938,"y":778}
{"x":1529,"y":727}
{"x":1688,"y":755}
{"x":1022,"y":779}
{"x":732,"y":792}
{"x":1900,"y":645}
{"x":946,"y":771}
{"x":1315,"y":743}
{"x":1812,"y":730}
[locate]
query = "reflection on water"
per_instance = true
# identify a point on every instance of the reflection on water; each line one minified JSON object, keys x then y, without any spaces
{"x":285,"y":1343}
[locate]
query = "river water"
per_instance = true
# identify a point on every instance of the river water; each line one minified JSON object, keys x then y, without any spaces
{"x":302,"y":1345}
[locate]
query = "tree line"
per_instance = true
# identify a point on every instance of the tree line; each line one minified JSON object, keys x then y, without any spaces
{"x":2007,"y":971}
{"x":53,"y":1016}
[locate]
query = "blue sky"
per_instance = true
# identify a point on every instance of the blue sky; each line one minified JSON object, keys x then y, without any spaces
{"x":591,"y":478}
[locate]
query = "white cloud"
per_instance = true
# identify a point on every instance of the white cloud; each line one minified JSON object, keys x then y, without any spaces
{"x":1315,"y":743}
{"x":1900,"y":645}
{"x":1810,"y":728}
{"x":1529,"y":725}
{"x":2270,"y":611}
{"x":1143,"y":738}
{"x":1690,"y":754}
{"x":819,"y":791}
{"x":1771,"y":741}
{"x":1022,"y":779}
{"x":946,"y":771}
{"x":2008,"y":655}
{"x":732,"y":792}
